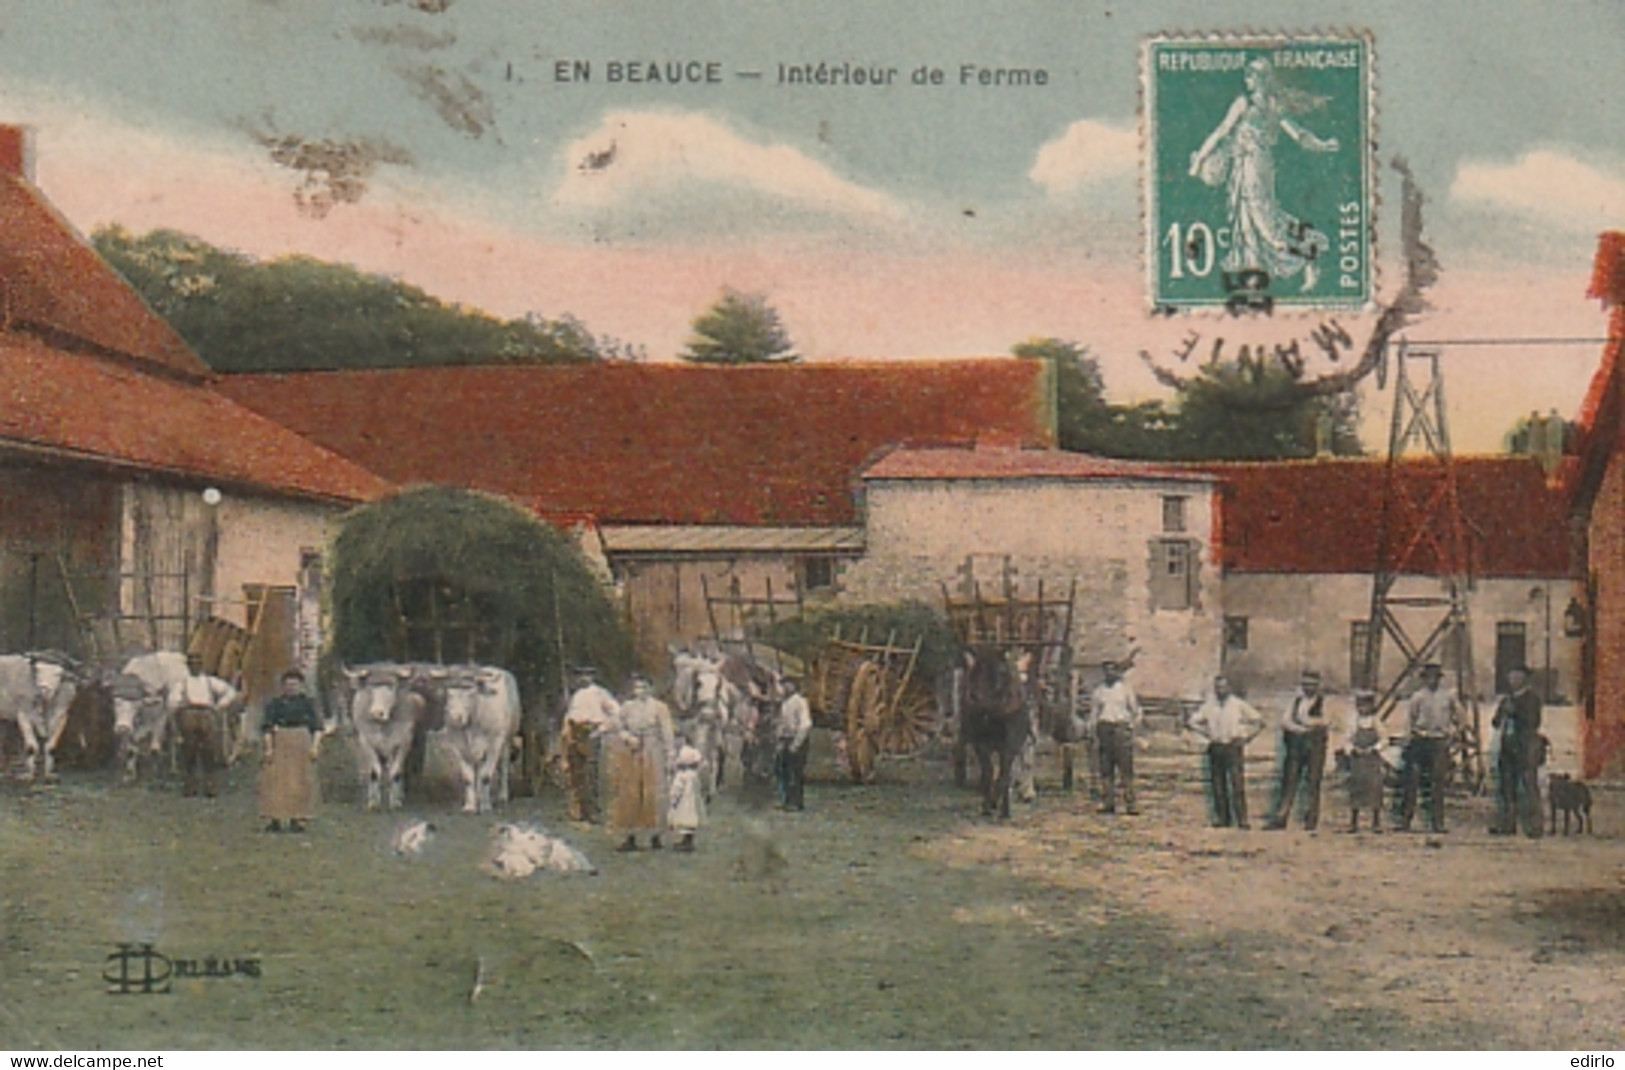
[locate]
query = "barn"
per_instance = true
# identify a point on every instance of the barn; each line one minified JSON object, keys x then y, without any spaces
{"x":136,"y":500}
{"x":1300,"y":545}
{"x":1597,"y":498}
{"x":685,"y":480}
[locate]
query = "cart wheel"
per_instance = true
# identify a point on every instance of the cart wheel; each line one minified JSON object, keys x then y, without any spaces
{"x":912,"y":724}
{"x":863,"y":708}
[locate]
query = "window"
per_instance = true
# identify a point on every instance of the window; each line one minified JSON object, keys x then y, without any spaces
{"x":1359,"y":643}
{"x":817,"y":573}
{"x":1173,"y":515}
{"x":1235,"y":633}
{"x":1173,"y":574}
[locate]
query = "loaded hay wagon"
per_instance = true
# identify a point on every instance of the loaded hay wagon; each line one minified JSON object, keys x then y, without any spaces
{"x":1040,"y":627}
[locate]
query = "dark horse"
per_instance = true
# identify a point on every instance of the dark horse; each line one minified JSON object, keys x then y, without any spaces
{"x":993,"y":719}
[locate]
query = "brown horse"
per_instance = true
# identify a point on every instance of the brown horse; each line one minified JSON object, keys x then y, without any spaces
{"x":993,"y":719}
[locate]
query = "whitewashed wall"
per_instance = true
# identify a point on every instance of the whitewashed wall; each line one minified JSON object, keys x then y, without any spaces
{"x":922,"y":534}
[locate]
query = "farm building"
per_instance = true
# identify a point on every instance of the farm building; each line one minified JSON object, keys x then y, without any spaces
{"x":1597,"y":488}
{"x":110,"y":433}
{"x":697,"y":479}
{"x":1300,"y":544}
{"x":1138,"y":540}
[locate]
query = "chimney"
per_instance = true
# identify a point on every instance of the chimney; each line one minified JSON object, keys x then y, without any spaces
{"x":17,"y":151}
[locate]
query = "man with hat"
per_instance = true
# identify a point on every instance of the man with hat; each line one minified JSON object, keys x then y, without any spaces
{"x":592,"y":712}
{"x":198,"y":704}
{"x":1517,"y":715}
{"x":1115,"y":712}
{"x":1228,"y":724}
{"x":1303,"y":742}
{"x":1434,"y":717}
{"x":794,"y":739}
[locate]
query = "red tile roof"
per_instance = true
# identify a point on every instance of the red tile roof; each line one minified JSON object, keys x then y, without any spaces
{"x":655,"y":443}
{"x":51,"y":278}
{"x":1324,"y":516}
{"x":1006,"y":463}
{"x":107,"y":412}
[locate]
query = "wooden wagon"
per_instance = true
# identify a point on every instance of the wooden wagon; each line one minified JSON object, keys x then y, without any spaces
{"x":1038,"y":626}
{"x":875,"y":696}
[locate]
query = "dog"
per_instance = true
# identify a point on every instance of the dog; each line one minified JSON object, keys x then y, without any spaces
{"x":1572,"y":797}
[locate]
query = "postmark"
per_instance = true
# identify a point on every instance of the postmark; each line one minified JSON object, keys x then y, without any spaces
{"x":1258,"y":175}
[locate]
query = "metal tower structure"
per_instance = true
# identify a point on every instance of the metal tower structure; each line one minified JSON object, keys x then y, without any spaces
{"x":1423,"y":574}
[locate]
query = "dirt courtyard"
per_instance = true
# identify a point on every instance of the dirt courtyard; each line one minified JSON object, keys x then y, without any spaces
{"x":889,"y":915}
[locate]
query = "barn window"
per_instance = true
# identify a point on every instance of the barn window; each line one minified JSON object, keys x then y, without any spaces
{"x":817,"y":573}
{"x":1235,"y":633}
{"x":1173,"y":574}
{"x":1173,"y":515}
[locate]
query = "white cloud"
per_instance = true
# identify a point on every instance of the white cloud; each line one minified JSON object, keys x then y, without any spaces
{"x":1086,"y":152}
{"x":642,"y":154}
{"x":1548,"y":185}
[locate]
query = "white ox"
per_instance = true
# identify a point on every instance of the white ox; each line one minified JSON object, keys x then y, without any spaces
{"x":386,"y":709}
{"x":36,"y":692}
{"x":482,"y":715}
{"x":141,"y":705}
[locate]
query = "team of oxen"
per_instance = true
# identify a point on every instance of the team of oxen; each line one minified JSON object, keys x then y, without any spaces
{"x":723,"y":706}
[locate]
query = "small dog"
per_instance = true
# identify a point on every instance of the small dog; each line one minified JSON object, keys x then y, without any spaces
{"x":1572,"y":797}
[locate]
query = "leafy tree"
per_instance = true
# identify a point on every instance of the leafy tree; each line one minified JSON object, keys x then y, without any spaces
{"x":298,"y":313}
{"x":1260,"y":411}
{"x":740,"y":328}
{"x":1231,"y":411}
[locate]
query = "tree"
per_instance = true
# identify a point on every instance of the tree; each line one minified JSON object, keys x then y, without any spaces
{"x":298,"y":313}
{"x":740,"y":328}
{"x":1084,"y":421}
{"x":1260,"y":411}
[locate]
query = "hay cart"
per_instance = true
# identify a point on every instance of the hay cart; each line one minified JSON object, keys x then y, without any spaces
{"x":872,"y":694}
{"x":1039,"y":626}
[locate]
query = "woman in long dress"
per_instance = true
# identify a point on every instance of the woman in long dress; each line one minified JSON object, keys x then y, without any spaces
{"x":1366,"y":766}
{"x":1240,"y":152}
{"x":291,"y":729}
{"x":639,"y":754}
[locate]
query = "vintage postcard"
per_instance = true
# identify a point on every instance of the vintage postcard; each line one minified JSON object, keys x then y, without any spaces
{"x":675,"y":525}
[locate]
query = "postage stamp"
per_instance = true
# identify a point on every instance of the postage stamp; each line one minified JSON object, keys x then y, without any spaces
{"x":1258,"y":181}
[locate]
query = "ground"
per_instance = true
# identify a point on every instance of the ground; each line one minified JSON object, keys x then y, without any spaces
{"x":888,"y":915}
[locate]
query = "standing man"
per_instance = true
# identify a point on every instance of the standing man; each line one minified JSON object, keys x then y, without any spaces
{"x":1115,"y":711}
{"x":1434,"y":717}
{"x":290,"y":731}
{"x":593,"y":711}
{"x":1517,"y":715}
{"x":1228,"y":724}
{"x":794,"y":739}
{"x":1303,"y":738}
{"x":198,"y":704}
{"x":641,"y":752}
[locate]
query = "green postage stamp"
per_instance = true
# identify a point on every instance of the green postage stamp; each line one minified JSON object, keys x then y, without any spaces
{"x":1259,"y":187}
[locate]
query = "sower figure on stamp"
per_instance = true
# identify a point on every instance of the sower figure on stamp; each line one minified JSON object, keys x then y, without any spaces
{"x":1115,"y":715}
{"x":592,"y":712}
{"x":291,"y":733}
{"x":1303,"y":739}
{"x":1434,"y":717}
{"x":1228,"y":724}
{"x":640,"y":750}
{"x":1517,"y":715}
{"x":197,"y":706}
{"x":1366,"y":767}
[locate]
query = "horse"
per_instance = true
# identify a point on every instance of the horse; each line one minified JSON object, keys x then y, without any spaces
{"x":994,"y":719}
{"x":707,"y":703}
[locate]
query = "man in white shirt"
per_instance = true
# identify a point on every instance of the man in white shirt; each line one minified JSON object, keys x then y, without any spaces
{"x":1434,"y":715}
{"x":196,"y":704}
{"x":592,"y":712}
{"x":1303,"y":739}
{"x":1115,"y":712}
{"x":794,"y":739}
{"x":1228,"y":724}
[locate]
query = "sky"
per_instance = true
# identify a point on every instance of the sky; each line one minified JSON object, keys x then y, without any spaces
{"x":898,"y":221}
